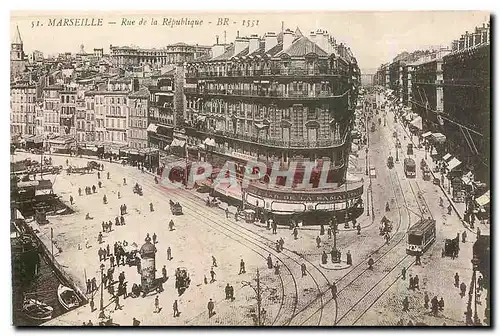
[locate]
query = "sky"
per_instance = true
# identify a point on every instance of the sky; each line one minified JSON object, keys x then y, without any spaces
{"x":374,"y":37}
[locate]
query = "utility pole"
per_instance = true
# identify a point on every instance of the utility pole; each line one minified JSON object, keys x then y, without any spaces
{"x":52,"y":243}
{"x":258,"y":299}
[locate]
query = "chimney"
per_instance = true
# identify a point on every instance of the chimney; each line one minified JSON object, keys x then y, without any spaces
{"x":271,"y":40}
{"x":254,"y":43}
{"x":312,"y":36}
{"x":288,"y":38}
{"x":218,"y":49}
{"x":240,"y":44}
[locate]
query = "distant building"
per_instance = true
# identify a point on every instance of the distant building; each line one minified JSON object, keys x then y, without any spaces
{"x":177,"y":53}
{"x":17,"y":57}
{"x":22,"y":109}
{"x":138,"y":104}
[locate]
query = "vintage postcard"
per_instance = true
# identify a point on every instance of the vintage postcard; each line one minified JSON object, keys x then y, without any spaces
{"x":250,"y":169}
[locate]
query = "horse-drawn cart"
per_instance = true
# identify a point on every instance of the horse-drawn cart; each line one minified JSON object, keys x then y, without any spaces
{"x":137,"y":189}
{"x":176,"y":208}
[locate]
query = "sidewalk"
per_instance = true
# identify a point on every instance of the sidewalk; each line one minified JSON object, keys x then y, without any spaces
{"x":459,"y":208}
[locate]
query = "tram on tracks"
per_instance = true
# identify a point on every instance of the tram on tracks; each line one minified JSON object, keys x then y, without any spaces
{"x":409,"y":166}
{"x":421,"y":235}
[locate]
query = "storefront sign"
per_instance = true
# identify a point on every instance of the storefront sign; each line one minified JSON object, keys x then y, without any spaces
{"x":297,"y":196}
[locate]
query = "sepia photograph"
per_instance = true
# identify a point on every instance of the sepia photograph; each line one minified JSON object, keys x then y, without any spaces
{"x":250,"y":169}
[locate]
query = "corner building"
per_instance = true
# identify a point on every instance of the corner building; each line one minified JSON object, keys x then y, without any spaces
{"x":284,"y":98}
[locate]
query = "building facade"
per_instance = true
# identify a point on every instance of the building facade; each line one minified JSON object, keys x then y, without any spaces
{"x":162,"y":110}
{"x":279,"y":99}
{"x":22,"y":108}
{"x":138,"y":104}
{"x":52,"y":109}
{"x":177,"y":53}
{"x":67,"y":115}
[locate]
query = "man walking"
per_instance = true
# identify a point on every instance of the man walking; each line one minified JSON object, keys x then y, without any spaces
{"x":303,"y":269}
{"x":157,"y":305}
{"x":318,"y":241}
{"x":176,"y":308}
{"x":169,"y":253}
{"x":242,"y":267}
{"x":212,"y":275}
{"x":210,"y":307}
{"x":214,"y":262}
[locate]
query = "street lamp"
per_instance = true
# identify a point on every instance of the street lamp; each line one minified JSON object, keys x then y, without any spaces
{"x":101,"y":306}
{"x":259,"y":300}
{"x":366,"y":160}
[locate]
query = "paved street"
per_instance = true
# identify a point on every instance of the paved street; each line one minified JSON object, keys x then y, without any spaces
{"x":364,"y":296}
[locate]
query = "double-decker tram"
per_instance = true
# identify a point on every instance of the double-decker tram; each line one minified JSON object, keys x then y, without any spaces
{"x":421,"y":236}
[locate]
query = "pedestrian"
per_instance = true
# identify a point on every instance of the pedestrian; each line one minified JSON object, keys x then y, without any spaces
{"x":91,"y":302}
{"x":434,"y":305}
{"x":231,"y":293}
{"x":295,"y":233}
{"x":108,"y":176}
{"x":278,"y":246}
{"x":210,"y":307}
{"x":71,"y":200}
{"x":359,"y":229}
{"x":242,"y":267}
{"x":329,"y":231}
{"x":169,"y":253}
{"x":275,"y":227}
{"x":441,"y":304}
{"x":135,"y":322}
{"x":333,"y":288}
{"x":171,"y":225}
{"x":227,"y":212}
{"x":324,"y":258}
{"x":318,"y":241}
{"x":164,"y":273}
{"x":94,"y":189}
{"x":268,"y":224}
{"x":349,"y":258}
{"x":124,"y":288}
{"x":157,"y":305}
{"x":269,"y":262}
{"x":403,"y":273}
{"x":214,"y":262}
{"x":415,"y":282}
{"x":464,"y":236}
{"x":412,"y":283}
{"x":370,"y":263}
{"x":333,"y":254}
{"x":282,"y":243}
{"x":406,"y":304}
{"x":107,"y":250}
{"x":303,"y":269}
{"x":227,"y":290}
{"x":104,"y":200}
{"x":117,"y":303}
{"x":277,"y":268}
{"x":449,"y":209}
{"x":154,"y":238}
{"x":99,"y":238}
{"x":111,"y":261}
{"x":426,"y":301}
{"x":205,"y":281}
{"x":103,"y":226}
{"x":119,"y":195}
{"x":98,"y":175}
{"x":463,"y":288}
{"x":175,"y":308}
{"x":117,"y":221}
{"x":212,"y":275}
{"x":93,"y":284}
{"x":89,"y":287}
{"x":151,"y":208}
{"x":79,"y":191}
{"x":457,"y":279}
{"x":417,"y":260}
{"x":124,"y":181}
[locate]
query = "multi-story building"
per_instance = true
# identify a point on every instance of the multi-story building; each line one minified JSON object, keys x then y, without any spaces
{"x":138,"y":105}
{"x":280,"y":99}
{"x":39,"y":119}
{"x":90,"y":120}
{"x":177,"y":53}
{"x":17,"y":57}
{"x":162,"y":110}
{"x":80,"y":117}
{"x":22,"y":107}
{"x":99,"y":113}
{"x":51,"y":109}
{"x":67,"y":115}
{"x":467,"y":95}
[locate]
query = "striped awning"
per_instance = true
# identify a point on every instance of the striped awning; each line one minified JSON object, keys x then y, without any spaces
{"x":152,"y":128}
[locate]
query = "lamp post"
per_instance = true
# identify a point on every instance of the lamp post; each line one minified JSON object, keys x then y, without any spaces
{"x":366,"y":161}
{"x":101,"y":304}
{"x":259,"y":299}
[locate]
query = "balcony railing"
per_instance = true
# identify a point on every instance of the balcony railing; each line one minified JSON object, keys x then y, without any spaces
{"x":323,"y":143}
{"x":268,"y":72}
{"x":265,"y":93}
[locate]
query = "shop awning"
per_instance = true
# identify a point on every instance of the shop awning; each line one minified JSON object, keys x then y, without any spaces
{"x":201,"y":118}
{"x":152,"y":128}
{"x":261,"y":126}
{"x":484,"y":199}
{"x":417,"y":122}
{"x":439,"y":137}
{"x":178,"y":143}
{"x":447,"y":157}
{"x":454,"y":163}
{"x":426,"y":134}
{"x":209,"y":142}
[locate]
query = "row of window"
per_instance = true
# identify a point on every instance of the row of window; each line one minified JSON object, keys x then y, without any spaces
{"x":21,"y":118}
{"x":23,"y":108}
{"x":100,"y":100}
{"x":68,"y":99}
{"x":138,"y":123}
{"x":138,"y":134}
{"x":138,"y":145}
{"x":21,"y":98}
{"x":116,"y":136}
{"x":120,"y":123}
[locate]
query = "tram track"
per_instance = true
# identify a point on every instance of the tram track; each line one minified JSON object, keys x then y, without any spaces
{"x":194,"y":207}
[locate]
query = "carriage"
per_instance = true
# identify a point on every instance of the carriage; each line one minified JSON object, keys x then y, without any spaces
{"x":385,"y":226}
{"x":175,"y":208}
{"x":137,"y":189}
{"x":451,"y":247}
{"x":182,"y":279}
{"x":390,"y":162}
